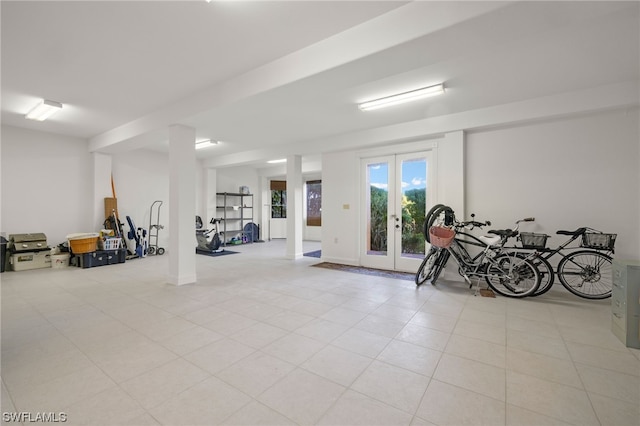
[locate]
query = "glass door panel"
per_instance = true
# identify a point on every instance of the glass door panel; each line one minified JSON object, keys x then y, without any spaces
{"x":413,"y":197}
{"x":378,"y":203}
{"x":378,"y":206}
{"x":413,"y":206}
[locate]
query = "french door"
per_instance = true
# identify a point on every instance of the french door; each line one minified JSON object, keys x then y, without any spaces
{"x":395,"y":193}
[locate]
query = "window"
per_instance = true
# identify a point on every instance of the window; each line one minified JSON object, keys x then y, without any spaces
{"x":314,"y":203}
{"x":278,"y":199}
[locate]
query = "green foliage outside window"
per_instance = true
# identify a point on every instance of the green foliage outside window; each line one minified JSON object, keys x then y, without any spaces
{"x":413,"y":211}
{"x":278,"y":204}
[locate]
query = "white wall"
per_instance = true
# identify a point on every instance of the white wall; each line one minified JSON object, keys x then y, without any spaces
{"x":140,"y":178}
{"x":567,"y":173}
{"x":570,"y":172}
{"x":47,"y":184}
{"x":340,"y":187}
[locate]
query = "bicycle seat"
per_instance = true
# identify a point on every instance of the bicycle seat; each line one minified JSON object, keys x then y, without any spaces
{"x":490,"y":240}
{"x":504,"y":232}
{"x":578,"y":231}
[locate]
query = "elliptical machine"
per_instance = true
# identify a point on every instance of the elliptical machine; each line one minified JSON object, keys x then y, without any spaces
{"x":206,"y":245}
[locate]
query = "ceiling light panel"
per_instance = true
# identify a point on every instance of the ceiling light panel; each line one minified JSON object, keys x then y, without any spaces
{"x":401,"y":98}
{"x":205,"y":143}
{"x":43,"y":110}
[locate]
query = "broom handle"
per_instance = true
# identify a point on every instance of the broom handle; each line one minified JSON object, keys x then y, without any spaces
{"x":116,"y":224}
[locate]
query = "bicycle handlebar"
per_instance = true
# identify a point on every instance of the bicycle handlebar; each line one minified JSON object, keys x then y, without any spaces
{"x":526,"y":219}
{"x":473,"y":224}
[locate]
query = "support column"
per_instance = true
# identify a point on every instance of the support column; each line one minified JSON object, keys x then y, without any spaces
{"x":295,"y":206}
{"x":451,"y":172}
{"x":209,"y":199}
{"x":265,"y":209}
{"x":182,"y":205}
{"x":102,"y":164}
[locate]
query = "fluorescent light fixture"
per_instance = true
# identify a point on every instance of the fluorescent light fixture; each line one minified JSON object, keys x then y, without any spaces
{"x":282,"y":160}
{"x":205,"y":143}
{"x":400,"y":98}
{"x":44,"y":110}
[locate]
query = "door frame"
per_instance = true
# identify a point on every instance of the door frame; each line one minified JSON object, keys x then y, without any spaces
{"x":393,"y":260}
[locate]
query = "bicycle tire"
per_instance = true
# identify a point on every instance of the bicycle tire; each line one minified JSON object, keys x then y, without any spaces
{"x":441,"y":261}
{"x":443,"y":215}
{"x":587,"y":267}
{"x":427,"y":217}
{"x":524,"y":281}
{"x":547,"y":276}
{"x":425,"y":271}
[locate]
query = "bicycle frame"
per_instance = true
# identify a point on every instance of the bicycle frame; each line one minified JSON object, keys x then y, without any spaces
{"x":474,"y":265}
{"x":547,"y":253}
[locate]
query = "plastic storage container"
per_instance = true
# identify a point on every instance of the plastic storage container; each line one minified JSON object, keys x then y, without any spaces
{"x":30,"y":260}
{"x":59,"y":261}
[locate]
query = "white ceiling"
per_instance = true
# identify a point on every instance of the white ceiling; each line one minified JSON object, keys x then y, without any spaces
{"x":265,"y":76}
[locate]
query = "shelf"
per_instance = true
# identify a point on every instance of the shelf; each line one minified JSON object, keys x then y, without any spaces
{"x":234,"y":207}
{"x":234,"y":194}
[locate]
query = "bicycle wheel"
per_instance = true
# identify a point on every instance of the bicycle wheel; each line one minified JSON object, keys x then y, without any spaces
{"x":443,"y":215}
{"x":441,"y":261}
{"x":545,"y":270}
{"x":427,"y":217}
{"x":587,"y":274}
{"x":547,"y":276}
{"x":425,"y":271}
{"x":512,"y":276}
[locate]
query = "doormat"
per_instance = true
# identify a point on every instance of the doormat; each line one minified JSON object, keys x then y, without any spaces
{"x":316,"y":253}
{"x":366,"y":271}
{"x":222,"y":253}
{"x":487,"y":292}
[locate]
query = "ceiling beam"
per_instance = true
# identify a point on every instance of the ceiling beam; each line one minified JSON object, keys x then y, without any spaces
{"x":588,"y":101}
{"x":398,"y":26}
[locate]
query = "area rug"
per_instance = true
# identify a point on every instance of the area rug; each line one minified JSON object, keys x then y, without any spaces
{"x":366,"y":271}
{"x":317,"y":253}
{"x":222,"y":253}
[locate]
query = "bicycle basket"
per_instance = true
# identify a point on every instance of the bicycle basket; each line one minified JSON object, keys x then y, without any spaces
{"x":531,"y":240}
{"x":441,"y":236}
{"x":598,"y":241}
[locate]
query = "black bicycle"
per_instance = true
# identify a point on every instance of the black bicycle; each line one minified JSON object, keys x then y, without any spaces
{"x":585,"y":271}
{"x":504,"y":271}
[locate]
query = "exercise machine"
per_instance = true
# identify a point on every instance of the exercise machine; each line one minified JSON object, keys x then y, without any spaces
{"x":208,"y":245}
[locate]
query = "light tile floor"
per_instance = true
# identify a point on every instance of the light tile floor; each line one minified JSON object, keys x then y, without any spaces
{"x":265,"y":340}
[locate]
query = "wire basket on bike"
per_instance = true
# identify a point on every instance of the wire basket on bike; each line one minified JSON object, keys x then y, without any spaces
{"x":598,"y":240}
{"x":531,"y":240}
{"x":441,"y":236}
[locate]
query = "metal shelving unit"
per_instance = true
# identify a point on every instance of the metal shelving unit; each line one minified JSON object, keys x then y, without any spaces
{"x":236,"y":211}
